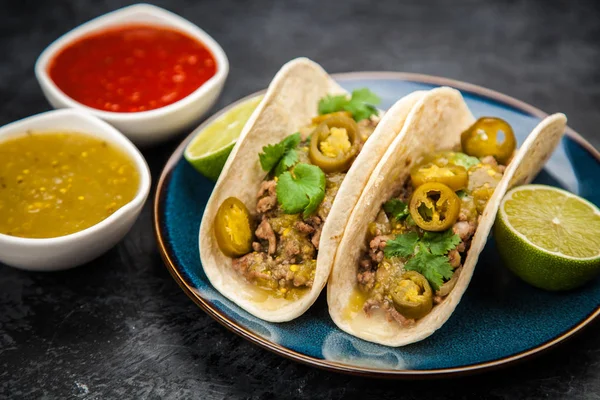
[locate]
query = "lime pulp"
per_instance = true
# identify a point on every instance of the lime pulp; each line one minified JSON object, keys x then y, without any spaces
{"x":209,"y":149}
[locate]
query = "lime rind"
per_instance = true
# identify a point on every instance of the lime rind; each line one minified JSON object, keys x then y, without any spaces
{"x":208,"y":151}
{"x":211,"y":165}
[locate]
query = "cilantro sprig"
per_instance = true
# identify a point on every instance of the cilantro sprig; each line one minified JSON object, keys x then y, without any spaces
{"x":402,"y":245}
{"x":361,"y":104}
{"x":301,"y":190}
{"x":434,"y":268}
{"x":426,"y":254}
{"x":280,"y":156}
{"x":440,"y":243}
{"x":396,"y":208}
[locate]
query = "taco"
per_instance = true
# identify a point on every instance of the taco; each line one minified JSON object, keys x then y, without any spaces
{"x":415,"y":234}
{"x":280,"y":206}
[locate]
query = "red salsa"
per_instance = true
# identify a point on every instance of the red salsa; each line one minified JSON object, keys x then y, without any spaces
{"x":132,"y":68}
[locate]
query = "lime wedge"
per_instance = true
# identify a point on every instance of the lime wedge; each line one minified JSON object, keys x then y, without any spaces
{"x":208,"y":151}
{"x":549,"y":237}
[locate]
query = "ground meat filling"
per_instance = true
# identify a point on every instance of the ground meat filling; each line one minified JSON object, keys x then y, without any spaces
{"x":383,"y":230}
{"x":264,"y":231}
{"x":285,"y":250}
{"x":267,"y":197}
{"x":284,"y":255}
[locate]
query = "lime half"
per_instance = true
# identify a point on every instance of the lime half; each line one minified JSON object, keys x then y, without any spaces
{"x":208,"y":151}
{"x":549,"y":237}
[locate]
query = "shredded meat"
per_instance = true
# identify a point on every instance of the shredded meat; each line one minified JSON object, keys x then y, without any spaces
{"x":393,"y":314}
{"x":366,"y":264}
{"x":291,"y":249}
{"x":264,"y":231}
{"x":366,"y":278}
{"x":464,"y":230}
{"x":370,"y":305}
{"x":267,"y":187}
{"x":256,"y":246}
{"x":269,"y":201}
{"x":246,"y":265}
{"x":376,"y":245}
{"x":316,"y":238}
{"x":378,"y":242}
{"x":376,"y":255}
{"x":454,"y":258}
{"x":314,"y":221}
{"x":266,"y":204}
{"x":281,"y":273}
{"x":304,"y":227}
{"x":437,"y":299}
{"x":489,"y":160}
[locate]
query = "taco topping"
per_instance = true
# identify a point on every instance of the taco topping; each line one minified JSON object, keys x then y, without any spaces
{"x":304,"y":173}
{"x":489,"y":137}
{"x":334,"y":144}
{"x":418,"y":242}
{"x":233,"y":228}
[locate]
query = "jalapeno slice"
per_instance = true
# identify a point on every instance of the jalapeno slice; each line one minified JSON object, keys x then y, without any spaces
{"x":343,"y":157}
{"x":434,"y":207}
{"x":453,"y":176}
{"x":483,"y":138}
{"x":233,"y":228}
{"x":412,"y":295}
{"x":322,"y":118}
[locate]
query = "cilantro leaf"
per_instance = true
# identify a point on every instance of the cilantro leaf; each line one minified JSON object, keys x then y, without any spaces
{"x":301,"y":190}
{"x":273,"y":153}
{"x":440,"y":243}
{"x":410,"y":221}
{"x":463,"y":160}
{"x":402,"y":245}
{"x":313,"y":204}
{"x":361,"y":104}
{"x":364,"y":112}
{"x":292,"y":141}
{"x":330,"y":104}
{"x":433,"y":267}
{"x":364,"y":95}
{"x":396,"y":208}
{"x":287,"y":161}
{"x":270,"y":156}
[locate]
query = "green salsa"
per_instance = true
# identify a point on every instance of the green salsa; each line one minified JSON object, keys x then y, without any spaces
{"x":57,"y":183}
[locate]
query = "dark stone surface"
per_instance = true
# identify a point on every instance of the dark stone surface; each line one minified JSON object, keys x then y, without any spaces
{"x":120,"y":327}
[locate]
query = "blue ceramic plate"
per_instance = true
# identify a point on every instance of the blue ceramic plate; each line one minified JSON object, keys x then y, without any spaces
{"x":499,"y":320}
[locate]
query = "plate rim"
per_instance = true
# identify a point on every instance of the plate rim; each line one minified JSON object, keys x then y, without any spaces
{"x":232,"y":325}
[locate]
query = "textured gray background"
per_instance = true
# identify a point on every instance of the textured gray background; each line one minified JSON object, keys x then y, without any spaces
{"x":120,"y":327}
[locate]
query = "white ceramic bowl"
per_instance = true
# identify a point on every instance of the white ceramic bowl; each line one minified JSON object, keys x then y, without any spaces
{"x":77,"y":248}
{"x":146,"y":127}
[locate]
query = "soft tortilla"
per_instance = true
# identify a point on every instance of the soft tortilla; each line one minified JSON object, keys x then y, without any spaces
{"x":290,"y":102}
{"x":435,"y":123}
